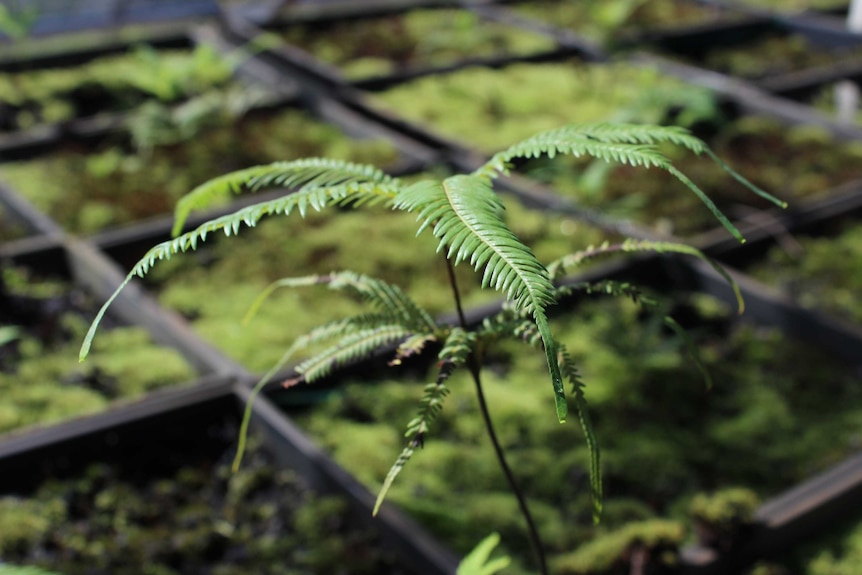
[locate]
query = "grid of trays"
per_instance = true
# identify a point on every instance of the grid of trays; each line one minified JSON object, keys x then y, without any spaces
{"x":264,"y":82}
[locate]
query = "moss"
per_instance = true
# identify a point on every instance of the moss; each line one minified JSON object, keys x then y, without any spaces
{"x":772,"y":54}
{"x":612,"y":552}
{"x":25,"y":523}
{"x":720,"y":518}
{"x":196,"y":519}
{"x":522,"y":99}
{"x":109,"y":83}
{"x":821,"y":273}
{"x":417,"y":39}
{"x":40,"y":377}
{"x":606,"y":20}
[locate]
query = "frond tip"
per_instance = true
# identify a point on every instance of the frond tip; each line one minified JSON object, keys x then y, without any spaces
{"x":632,"y":144}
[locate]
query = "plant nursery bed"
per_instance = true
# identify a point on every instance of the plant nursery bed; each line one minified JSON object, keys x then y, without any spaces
{"x":43,"y":318}
{"x":762,"y":49}
{"x":110,"y":83}
{"x":777,"y":411}
{"x":488,"y":108}
{"x":154,"y":493}
{"x":818,"y":268}
{"x":407,"y":43}
{"x":88,"y":188}
{"x":620,"y":22}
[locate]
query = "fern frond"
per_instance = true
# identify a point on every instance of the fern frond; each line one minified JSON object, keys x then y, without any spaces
{"x":456,"y":349}
{"x":413,"y":345}
{"x":632,"y":245}
{"x":466,"y":216}
{"x":302,"y":174}
{"x":351,"y":347}
{"x":230,"y":224}
{"x":632,"y":144}
{"x":570,"y":371}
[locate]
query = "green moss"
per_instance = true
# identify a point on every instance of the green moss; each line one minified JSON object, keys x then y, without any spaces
{"x":610,"y":553}
{"x":25,"y":523}
{"x":110,"y":83}
{"x":605,"y":20}
{"x":40,"y":377}
{"x":822,"y":273}
{"x":197,"y":519}
{"x":419,"y":38}
{"x":490,"y":107}
{"x":772,"y":54}
{"x":720,"y":517}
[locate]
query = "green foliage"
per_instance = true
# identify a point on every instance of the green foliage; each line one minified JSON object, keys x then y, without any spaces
{"x":478,"y":562}
{"x":6,"y":569}
{"x":657,"y":540}
{"x":465,"y":215}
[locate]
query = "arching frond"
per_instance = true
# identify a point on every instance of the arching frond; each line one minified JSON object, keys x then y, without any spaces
{"x":456,"y":349}
{"x":351,"y":347}
{"x":466,"y":216}
{"x":300,"y":175}
{"x":573,"y":260}
{"x":230,"y":224}
{"x":570,"y":372}
{"x":632,"y":144}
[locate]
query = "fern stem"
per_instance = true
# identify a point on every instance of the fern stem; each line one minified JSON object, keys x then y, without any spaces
{"x":475,"y":371}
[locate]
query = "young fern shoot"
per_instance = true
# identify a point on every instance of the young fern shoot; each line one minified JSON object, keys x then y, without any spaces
{"x":466,"y":215}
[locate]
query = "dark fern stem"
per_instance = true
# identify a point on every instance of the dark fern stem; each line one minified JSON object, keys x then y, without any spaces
{"x":475,"y":372}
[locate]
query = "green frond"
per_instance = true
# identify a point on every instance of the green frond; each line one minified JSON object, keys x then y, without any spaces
{"x":456,"y":349}
{"x":230,"y":224}
{"x":570,"y":371}
{"x":466,"y":216}
{"x":343,"y":328}
{"x":632,"y":144}
{"x":299,"y":174}
{"x":479,"y":562}
{"x":351,"y":347}
{"x":632,"y":245}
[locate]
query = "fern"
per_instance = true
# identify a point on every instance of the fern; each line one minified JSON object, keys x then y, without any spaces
{"x":455,"y":351}
{"x":467,"y":219}
{"x":317,"y":198}
{"x":303,"y":174}
{"x":466,"y":216}
{"x":566,"y":263}
{"x":567,"y":365}
{"x":630,"y":144}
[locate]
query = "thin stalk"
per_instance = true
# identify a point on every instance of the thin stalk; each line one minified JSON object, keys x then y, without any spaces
{"x":475,"y":371}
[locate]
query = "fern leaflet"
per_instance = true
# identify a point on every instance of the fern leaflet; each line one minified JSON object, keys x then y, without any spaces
{"x":230,"y":224}
{"x":455,"y":351}
{"x":567,"y":365}
{"x":303,"y":174}
{"x":567,"y":262}
{"x":632,"y":144}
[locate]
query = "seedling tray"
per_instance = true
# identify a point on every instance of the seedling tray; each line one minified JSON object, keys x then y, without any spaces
{"x":145,"y":443}
{"x":761,"y":49}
